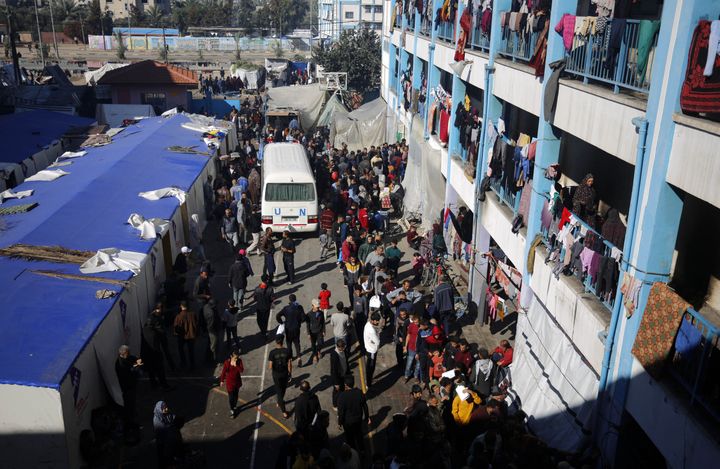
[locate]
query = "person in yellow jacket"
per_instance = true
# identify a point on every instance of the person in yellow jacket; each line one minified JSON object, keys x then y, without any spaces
{"x":463,"y":405}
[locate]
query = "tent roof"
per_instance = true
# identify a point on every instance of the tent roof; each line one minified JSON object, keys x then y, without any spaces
{"x":25,"y":133}
{"x":47,"y":322}
{"x":150,"y":72}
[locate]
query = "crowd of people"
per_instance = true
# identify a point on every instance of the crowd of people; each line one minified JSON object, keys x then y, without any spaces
{"x":457,"y":413}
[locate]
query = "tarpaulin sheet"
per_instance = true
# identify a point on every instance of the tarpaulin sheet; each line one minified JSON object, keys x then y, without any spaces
{"x":276,"y":65}
{"x":424,"y":183}
{"x":557,"y":388}
{"x":363,"y":127}
{"x":255,"y":78}
{"x":46,"y":322}
{"x":114,"y":114}
{"x":24,"y":134}
{"x":305,"y":99}
{"x":332,"y":107}
{"x":92,"y":77}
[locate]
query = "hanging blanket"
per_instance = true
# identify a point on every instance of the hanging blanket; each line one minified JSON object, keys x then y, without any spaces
{"x":700,"y":93}
{"x":658,"y":328}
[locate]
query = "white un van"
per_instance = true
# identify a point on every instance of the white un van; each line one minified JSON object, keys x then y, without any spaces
{"x":289,"y":198}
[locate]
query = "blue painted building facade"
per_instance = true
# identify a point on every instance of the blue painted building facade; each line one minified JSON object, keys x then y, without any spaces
{"x":653,"y":164}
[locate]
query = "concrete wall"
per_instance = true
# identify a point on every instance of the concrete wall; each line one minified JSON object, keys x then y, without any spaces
{"x":496,"y":219}
{"x":518,"y":87}
{"x":132,"y":94}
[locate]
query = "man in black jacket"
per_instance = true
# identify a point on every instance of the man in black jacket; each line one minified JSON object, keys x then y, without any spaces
{"x":445,"y":304}
{"x":339,"y":369}
{"x":238,"y":274}
{"x":154,"y":348}
{"x":292,"y":316}
{"x":127,"y":367}
{"x":264,"y":297}
{"x":352,"y":412}
{"x":315,"y":320}
{"x":307,"y":406}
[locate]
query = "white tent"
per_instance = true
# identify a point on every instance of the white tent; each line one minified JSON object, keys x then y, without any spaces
{"x":114,"y":114}
{"x":332,"y":108}
{"x":362,"y":127}
{"x":93,"y":76}
{"x":276,"y":65}
{"x":307,"y":100}
{"x":255,"y":78}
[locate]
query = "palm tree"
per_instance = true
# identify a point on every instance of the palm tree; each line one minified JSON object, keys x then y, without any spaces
{"x":154,"y":15}
{"x":66,"y":9}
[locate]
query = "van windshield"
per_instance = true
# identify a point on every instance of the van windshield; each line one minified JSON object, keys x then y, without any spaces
{"x":290,"y":192}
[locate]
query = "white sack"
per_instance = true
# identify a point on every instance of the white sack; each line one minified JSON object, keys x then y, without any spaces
{"x":149,"y":229}
{"x":111,"y":260}
{"x":158,"y":194}
{"x":9,"y":194}
{"x":47,"y":175}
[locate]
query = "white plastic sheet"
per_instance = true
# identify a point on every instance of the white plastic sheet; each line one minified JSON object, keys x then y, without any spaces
{"x":424,"y":183}
{"x":92,"y":77}
{"x":158,"y":194}
{"x":9,"y":194}
{"x":150,"y":228}
{"x":332,"y":107}
{"x":255,"y":78}
{"x":71,"y":154}
{"x":114,"y":114}
{"x":112,"y":259}
{"x":363,"y":127}
{"x":555,"y":385}
{"x":47,"y":175}
{"x":307,"y":100}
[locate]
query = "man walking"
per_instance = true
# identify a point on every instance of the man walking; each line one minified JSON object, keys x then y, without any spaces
{"x":315,"y":320}
{"x":292,"y":316}
{"x":288,"y":256}
{"x":229,"y":229}
{"x":280,"y":364}
{"x":185,"y":328}
{"x":340,"y":321}
{"x":352,"y":412}
{"x":154,"y":348}
{"x":127,"y":367}
{"x":372,"y":344}
{"x":212,"y":323}
{"x":264,"y":296}
{"x":339,"y":369}
{"x":307,"y":407}
{"x":238,"y":274}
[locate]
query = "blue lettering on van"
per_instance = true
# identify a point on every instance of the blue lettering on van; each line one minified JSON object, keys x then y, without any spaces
{"x":277,"y":210}
{"x":303,"y":212}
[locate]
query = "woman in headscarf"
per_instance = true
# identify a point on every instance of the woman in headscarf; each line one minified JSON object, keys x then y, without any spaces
{"x":254,"y":186}
{"x":168,"y":439}
{"x":613,"y":228}
{"x":585,"y":200}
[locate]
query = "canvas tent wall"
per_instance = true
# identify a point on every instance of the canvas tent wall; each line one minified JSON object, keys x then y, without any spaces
{"x":34,"y":139}
{"x":362,"y":127}
{"x":114,"y":114}
{"x":66,"y":368}
{"x":556,"y":386}
{"x":332,"y":108}
{"x":306,"y":99}
{"x":255,"y":79}
{"x":93,"y":76}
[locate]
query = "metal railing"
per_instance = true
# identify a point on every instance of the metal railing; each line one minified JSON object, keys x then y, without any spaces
{"x":411,"y":23}
{"x":506,"y":195}
{"x":591,"y":58}
{"x":426,"y":26}
{"x":398,"y":21}
{"x":518,"y":46}
{"x":693,"y":367}
{"x":445,"y":31}
{"x":479,"y":40}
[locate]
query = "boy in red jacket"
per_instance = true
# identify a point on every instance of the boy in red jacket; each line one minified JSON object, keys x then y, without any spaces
{"x":231,"y":376}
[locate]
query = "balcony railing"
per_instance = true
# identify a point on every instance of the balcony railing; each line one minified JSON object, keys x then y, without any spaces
{"x":411,"y":23}
{"x":590,"y":59}
{"x":608,"y":300}
{"x":518,"y":46}
{"x":506,"y":195}
{"x":445,"y":31}
{"x":694,"y":367}
{"x":398,"y":21}
{"x":426,"y":26}
{"x":479,"y":40}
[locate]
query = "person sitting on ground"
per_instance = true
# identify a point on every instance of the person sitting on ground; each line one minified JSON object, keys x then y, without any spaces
{"x":503,"y":354}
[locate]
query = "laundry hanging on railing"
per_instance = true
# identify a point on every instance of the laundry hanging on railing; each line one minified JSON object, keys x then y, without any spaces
{"x":700,"y":92}
{"x":440,"y":113}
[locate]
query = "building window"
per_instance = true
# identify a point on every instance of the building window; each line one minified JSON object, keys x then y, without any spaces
{"x":378,"y":9}
{"x":156,"y":100}
{"x":368,"y":9}
{"x":349,"y":15}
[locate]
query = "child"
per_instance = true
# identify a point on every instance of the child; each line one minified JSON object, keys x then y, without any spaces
{"x":230,"y":319}
{"x":324,"y":297}
{"x":325,"y":244}
{"x":436,"y":365}
{"x":417,"y":264}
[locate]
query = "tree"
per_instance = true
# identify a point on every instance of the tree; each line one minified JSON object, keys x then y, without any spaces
{"x":72,"y":29}
{"x":97,"y":22}
{"x":246,"y":15}
{"x":154,"y":16}
{"x":237,"y":46}
{"x":278,"y":49}
{"x":137,"y":16}
{"x":65,"y":10}
{"x":121,"y":46}
{"x":282,"y":15}
{"x":356,"y":52}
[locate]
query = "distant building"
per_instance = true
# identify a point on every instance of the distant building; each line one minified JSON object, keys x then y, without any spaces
{"x":161,"y":85}
{"x":120,"y":8}
{"x":335,"y":16}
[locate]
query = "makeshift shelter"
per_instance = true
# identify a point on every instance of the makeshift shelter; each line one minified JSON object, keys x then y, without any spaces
{"x":58,"y":348}
{"x":332,"y":108}
{"x":423,"y":183}
{"x":114,"y":114}
{"x":31,"y":141}
{"x":362,"y":127}
{"x":276,"y":65}
{"x":307,"y":100}
{"x":93,"y":76}
{"x":254,"y":79}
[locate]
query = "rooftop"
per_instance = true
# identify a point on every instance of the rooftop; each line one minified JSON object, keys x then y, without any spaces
{"x":47,"y":322}
{"x":150,"y":72}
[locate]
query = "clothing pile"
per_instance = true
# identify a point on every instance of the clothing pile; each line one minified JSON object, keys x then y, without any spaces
{"x":446,"y":13}
{"x":467,"y":121}
{"x":510,"y":161}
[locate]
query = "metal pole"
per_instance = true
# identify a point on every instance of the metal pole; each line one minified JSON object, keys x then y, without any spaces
{"x":13,"y":48}
{"x":52,"y":23}
{"x":40,"y":43}
{"x":82,"y":29}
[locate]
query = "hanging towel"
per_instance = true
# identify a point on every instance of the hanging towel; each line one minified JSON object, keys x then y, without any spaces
{"x":614,"y":42}
{"x":658,"y":327}
{"x":566,"y":28}
{"x":700,"y":93}
{"x":646,"y":37}
{"x":713,"y":48}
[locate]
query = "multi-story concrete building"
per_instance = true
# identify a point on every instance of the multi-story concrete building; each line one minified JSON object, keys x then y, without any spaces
{"x":121,"y":8}
{"x":634,"y":370}
{"x":335,"y":16}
